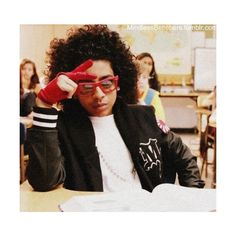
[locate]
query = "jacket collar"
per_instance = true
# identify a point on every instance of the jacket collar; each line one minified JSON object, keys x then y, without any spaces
{"x":82,"y":134}
{"x":127,"y":127}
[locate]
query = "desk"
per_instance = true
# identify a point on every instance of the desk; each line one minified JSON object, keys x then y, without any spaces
{"x":44,"y":201}
{"x":180,"y":109}
{"x":182,"y":199}
{"x":194,"y":96}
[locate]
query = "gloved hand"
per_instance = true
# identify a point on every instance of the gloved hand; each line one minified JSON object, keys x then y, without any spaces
{"x":64,"y":85}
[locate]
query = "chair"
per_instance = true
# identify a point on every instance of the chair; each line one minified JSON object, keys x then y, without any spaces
{"x":207,"y":131}
{"x":23,"y":158}
{"x":207,"y":139}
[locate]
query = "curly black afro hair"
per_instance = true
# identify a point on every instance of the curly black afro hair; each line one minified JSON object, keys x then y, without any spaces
{"x":96,"y":42}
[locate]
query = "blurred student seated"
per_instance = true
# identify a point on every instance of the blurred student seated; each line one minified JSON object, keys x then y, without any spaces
{"x":29,"y":88}
{"x":148,"y":63}
{"x":147,"y":95}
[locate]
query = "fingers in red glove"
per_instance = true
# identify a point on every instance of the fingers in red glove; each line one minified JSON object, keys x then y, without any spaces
{"x":79,"y":72}
{"x":53,"y":93}
{"x":83,"y":67}
{"x":76,"y":77}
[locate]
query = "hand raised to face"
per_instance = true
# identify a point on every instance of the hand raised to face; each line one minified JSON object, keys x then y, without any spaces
{"x":65,"y":84}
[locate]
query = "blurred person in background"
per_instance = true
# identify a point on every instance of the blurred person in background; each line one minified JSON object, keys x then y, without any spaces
{"x":147,"y":61}
{"x":29,"y":87}
{"x":147,"y":95}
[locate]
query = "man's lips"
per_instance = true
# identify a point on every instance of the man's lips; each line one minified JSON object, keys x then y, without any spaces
{"x":99,"y":105}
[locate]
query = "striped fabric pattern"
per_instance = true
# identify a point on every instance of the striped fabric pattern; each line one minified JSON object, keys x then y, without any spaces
{"x":45,"y":117}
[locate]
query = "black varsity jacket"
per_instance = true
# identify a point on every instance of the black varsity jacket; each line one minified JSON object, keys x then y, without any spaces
{"x":64,"y":150}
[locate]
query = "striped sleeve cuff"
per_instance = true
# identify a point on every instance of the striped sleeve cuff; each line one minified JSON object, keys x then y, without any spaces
{"x":45,"y":117}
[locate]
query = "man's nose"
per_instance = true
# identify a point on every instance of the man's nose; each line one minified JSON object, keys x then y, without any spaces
{"x":99,"y":93}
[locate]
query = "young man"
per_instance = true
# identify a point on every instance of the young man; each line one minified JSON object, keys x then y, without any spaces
{"x":97,"y":142}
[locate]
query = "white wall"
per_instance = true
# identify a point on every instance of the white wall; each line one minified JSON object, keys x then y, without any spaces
{"x":34,"y":42}
{"x":171,"y":49}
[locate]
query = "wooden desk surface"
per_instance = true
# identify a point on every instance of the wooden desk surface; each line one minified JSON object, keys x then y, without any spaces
{"x":44,"y":201}
{"x":169,"y":94}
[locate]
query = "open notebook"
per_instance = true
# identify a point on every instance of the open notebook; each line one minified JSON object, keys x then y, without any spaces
{"x":164,"y":197}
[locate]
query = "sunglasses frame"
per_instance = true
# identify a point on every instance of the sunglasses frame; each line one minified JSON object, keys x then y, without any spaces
{"x":97,"y":84}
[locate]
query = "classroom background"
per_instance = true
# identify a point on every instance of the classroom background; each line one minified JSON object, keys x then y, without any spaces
{"x":185,"y":61}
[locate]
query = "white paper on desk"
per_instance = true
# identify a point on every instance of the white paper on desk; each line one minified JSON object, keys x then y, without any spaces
{"x":165,"y":197}
{"x":114,"y":201}
{"x":170,"y":197}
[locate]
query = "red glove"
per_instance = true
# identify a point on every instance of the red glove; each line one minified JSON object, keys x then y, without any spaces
{"x":52,"y":93}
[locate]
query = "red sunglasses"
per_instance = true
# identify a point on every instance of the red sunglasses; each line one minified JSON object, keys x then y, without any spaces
{"x":106,"y":85}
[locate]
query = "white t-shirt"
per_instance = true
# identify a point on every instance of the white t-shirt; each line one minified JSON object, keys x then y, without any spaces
{"x":117,"y":166}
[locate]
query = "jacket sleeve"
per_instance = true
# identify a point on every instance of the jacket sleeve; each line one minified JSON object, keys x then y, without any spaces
{"x":184,"y":162}
{"x":45,"y":169}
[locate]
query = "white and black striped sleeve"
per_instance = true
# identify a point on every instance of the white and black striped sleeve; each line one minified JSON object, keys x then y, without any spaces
{"x":45,"y":117}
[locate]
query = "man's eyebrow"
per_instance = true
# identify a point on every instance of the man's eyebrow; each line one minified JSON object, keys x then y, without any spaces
{"x":106,"y":76}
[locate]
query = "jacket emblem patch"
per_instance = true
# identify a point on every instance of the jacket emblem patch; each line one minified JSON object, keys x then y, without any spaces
{"x":162,"y":125}
{"x":150,"y":153}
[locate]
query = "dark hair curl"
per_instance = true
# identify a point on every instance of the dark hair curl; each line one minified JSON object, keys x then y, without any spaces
{"x":96,"y":42}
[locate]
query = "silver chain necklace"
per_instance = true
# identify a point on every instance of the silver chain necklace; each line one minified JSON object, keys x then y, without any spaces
{"x":112,"y":170}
